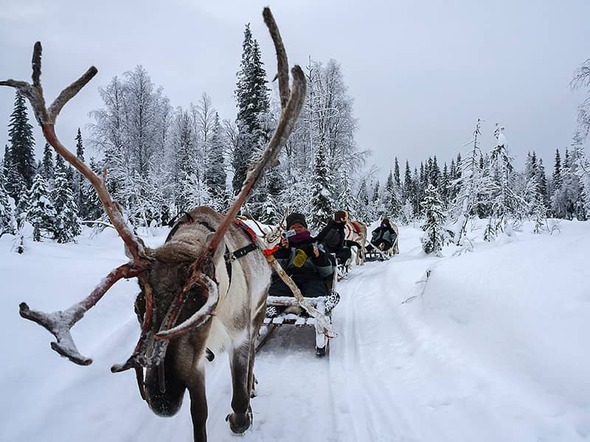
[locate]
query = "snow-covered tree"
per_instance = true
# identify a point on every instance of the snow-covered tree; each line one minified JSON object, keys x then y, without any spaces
{"x":468,"y":186}
{"x":391,"y":197}
{"x":215,"y":174}
{"x":581,"y":79}
{"x":253,"y":105}
{"x":47,"y":168}
{"x":40,"y":211}
{"x":583,"y":172}
{"x":321,"y":203}
{"x":7,"y":221}
{"x":566,"y":201}
{"x":66,"y":225}
{"x":79,"y":183}
{"x":132,"y":131}
{"x":504,"y":200}
{"x":435,"y":235}
{"x":22,"y":142}
{"x":20,"y":155}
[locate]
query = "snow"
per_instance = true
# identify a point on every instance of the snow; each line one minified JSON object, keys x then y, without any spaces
{"x":489,"y":345}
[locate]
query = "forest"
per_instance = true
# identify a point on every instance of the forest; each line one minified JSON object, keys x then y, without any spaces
{"x":160,"y":161}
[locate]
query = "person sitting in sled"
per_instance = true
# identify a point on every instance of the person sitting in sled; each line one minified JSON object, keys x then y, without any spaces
{"x":304,"y":260}
{"x":383,"y":237}
{"x":332,"y":237}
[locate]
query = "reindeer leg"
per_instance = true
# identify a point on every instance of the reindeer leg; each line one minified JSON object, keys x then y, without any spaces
{"x":199,"y":409}
{"x":241,"y":419}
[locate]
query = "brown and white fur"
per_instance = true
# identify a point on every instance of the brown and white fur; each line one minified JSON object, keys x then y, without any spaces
{"x":233,"y":327}
{"x":356,"y":236}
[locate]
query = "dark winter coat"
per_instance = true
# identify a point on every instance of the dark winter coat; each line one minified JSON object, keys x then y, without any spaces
{"x":332,"y":236}
{"x":309,"y":277}
{"x":384,"y":234}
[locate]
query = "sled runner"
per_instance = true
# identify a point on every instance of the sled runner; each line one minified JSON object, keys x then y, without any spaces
{"x":373,"y":253}
{"x":314,"y":312}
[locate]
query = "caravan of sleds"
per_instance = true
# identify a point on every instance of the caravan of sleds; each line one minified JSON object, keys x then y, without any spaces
{"x":317,"y":311}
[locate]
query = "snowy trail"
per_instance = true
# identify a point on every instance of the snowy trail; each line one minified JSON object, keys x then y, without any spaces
{"x":489,"y":349}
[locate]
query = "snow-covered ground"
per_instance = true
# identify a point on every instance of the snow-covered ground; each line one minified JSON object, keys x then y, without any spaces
{"x":491,"y":346}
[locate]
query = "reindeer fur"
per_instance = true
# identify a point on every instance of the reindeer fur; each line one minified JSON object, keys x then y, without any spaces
{"x":233,"y":328}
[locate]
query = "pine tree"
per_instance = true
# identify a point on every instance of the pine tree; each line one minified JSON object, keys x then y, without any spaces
{"x":365,"y":207}
{"x":346,"y":201}
{"x":391,"y":198}
{"x":14,"y":182}
{"x":22,"y":143}
{"x":321,"y":203}
{"x":40,"y":211}
{"x":435,"y":236}
{"x":7,"y":221}
{"x":79,"y":180}
{"x":215,"y":175}
{"x":407,"y":189}
{"x":253,"y":103}
{"x":396,"y":174}
{"x":47,"y":168}
{"x":93,"y":205}
{"x":66,"y":225}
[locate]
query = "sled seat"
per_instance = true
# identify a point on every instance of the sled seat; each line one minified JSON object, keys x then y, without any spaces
{"x":300,"y":319}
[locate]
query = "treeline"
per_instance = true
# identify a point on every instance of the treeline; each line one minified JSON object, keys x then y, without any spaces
{"x":161,"y":161}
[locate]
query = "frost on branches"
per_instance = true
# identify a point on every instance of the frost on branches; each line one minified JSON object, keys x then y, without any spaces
{"x":435,"y":235}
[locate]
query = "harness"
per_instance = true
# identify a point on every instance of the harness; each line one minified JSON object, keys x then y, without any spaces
{"x":228,"y":256}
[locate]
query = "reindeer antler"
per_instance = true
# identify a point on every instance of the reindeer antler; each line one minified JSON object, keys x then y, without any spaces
{"x":59,"y":323}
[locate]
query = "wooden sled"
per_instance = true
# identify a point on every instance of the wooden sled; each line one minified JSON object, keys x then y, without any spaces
{"x":377,"y":254}
{"x":310,"y":312}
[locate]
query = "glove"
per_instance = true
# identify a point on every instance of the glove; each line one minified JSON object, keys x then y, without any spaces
{"x":300,"y":258}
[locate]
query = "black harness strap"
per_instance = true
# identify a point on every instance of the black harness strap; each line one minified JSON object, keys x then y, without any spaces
{"x":229,"y":256}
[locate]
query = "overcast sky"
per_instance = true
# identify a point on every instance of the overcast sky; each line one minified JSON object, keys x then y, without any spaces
{"x":421,"y":72}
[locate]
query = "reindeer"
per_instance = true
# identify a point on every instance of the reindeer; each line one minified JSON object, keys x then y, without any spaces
{"x":356,"y":236}
{"x":204,"y":290}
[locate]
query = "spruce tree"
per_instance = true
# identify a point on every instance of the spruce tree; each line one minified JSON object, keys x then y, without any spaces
{"x":435,"y":236}
{"x":22,"y":144}
{"x":66,"y":225}
{"x":7,"y":221}
{"x":47,"y":169}
{"x":392,"y":203}
{"x":40,"y":211}
{"x":93,"y":205}
{"x":396,"y":174}
{"x":79,"y":180}
{"x":321,"y":204}
{"x":215,"y":175}
{"x":253,"y":105}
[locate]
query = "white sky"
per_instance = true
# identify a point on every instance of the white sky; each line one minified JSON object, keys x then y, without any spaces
{"x":421,"y":73}
{"x":492,"y":348}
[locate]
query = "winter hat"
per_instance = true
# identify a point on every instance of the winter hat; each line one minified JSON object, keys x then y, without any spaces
{"x":340,"y":216}
{"x":296,"y":218}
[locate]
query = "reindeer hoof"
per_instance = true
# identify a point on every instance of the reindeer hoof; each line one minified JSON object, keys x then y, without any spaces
{"x":239,"y":422}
